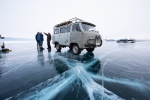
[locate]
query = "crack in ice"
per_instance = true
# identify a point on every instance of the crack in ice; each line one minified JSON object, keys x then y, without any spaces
{"x":77,"y":71}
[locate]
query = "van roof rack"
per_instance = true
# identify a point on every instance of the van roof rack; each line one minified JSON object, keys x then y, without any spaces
{"x":76,"y":19}
{"x":70,"y":21}
{"x":63,"y":23}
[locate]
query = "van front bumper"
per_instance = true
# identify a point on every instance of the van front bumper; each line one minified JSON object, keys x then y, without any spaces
{"x":97,"y":42}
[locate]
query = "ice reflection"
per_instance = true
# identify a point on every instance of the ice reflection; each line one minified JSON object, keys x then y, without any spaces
{"x":0,"y":66}
{"x":74,"y":77}
{"x":41,"y":57}
{"x":3,"y":57}
{"x":0,"y":71}
{"x":0,"y":55}
{"x":49,"y":49}
{"x":67,"y":60}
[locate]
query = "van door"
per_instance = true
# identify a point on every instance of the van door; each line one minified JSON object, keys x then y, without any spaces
{"x":76,"y":35}
{"x":62,"y":35}
{"x":56,"y":37}
{"x":67,"y":35}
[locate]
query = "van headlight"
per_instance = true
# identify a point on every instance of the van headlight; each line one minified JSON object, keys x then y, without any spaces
{"x":91,"y":37}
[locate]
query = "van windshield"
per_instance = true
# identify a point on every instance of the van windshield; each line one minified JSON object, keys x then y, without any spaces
{"x":88,"y":26}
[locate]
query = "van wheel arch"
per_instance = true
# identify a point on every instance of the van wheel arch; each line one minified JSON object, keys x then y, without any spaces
{"x":75,"y":48}
{"x":57,"y":46}
{"x":70,"y":46}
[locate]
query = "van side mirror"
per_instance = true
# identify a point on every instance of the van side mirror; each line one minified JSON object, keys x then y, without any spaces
{"x":2,"y":37}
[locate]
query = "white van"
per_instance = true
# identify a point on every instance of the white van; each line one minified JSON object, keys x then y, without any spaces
{"x":77,"y":35}
{"x":2,"y":45}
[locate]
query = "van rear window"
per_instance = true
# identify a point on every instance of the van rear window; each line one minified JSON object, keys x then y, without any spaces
{"x":56,"y":31}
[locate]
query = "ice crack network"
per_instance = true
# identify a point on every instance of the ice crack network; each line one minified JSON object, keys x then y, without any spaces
{"x":73,"y":71}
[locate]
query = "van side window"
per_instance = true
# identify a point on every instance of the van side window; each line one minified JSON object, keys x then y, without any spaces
{"x":78,"y":27}
{"x":62,"y":29}
{"x":68,"y":28}
{"x":75,"y":27}
{"x":56,"y":31}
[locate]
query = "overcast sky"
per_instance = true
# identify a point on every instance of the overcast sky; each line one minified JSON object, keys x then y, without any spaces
{"x":113,"y":18}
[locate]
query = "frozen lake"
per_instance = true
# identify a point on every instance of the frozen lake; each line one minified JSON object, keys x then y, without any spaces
{"x":113,"y":71}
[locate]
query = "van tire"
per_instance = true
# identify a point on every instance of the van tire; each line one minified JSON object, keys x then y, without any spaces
{"x":58,"y":47}
{"x":101,"y":42}
{"x":90,"y":49}
{"x":76,"y":50}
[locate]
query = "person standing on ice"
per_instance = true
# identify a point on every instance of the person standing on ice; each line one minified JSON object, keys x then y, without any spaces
{"x":48,"y":40}
{"x":39,"y":39}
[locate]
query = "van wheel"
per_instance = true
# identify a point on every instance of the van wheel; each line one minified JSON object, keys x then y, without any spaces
{"x":101,"y":42}
{"x":76,"y":50}
{"x":90,"y":49}
{"x":57,"y":46}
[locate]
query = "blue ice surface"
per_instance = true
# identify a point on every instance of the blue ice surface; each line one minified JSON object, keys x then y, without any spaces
{"x":112,"y":72}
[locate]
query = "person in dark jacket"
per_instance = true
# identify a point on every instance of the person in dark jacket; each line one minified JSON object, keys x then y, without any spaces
{"x":48,"y":40}
{"x":39,"y":39}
